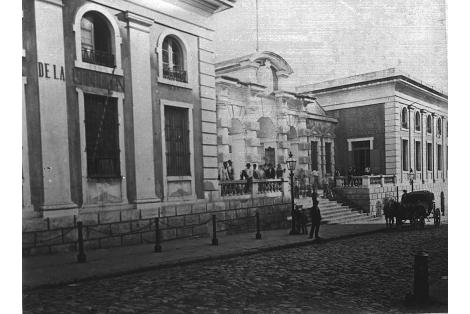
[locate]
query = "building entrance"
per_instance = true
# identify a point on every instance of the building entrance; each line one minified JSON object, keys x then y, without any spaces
{"x":270,"y":156}
{"x":361,"y":156}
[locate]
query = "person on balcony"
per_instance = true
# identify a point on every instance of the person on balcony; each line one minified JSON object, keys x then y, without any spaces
{"x":367,"y":171}
{"x":270,"y":172}
{"x":255,"y":172}
{"x":230,"y":170}
{"x":223,"y":172}
{"x":280,"y":171}
{"x":315,"y":216}
{"x":247,"y":174}
{"x":350,"y":176}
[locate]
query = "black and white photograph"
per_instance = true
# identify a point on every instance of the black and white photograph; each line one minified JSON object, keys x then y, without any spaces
{"x":234,"y":156}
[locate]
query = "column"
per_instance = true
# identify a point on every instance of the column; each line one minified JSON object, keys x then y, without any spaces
{"x":423,"y":145}
{"x":26,"y":191}
{"x":322,"y":157}
{"x":433,"y":133}
{"x":138,"y":28}
{"x":53,"y":108}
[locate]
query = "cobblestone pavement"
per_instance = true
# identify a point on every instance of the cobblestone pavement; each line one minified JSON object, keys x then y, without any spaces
{"x":364,"y":274}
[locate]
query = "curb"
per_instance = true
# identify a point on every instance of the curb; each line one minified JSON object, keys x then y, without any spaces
{"x":189,"y":261}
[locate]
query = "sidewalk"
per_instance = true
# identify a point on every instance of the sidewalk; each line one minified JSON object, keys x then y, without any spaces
{"x":49,"y":270}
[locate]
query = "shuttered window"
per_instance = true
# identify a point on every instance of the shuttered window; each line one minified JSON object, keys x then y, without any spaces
{"x":177,"y":141}
{"x":102,"y":137}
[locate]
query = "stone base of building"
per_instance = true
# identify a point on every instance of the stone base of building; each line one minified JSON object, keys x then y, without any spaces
{"x":122,"y":227}
{"x":370,"y":199}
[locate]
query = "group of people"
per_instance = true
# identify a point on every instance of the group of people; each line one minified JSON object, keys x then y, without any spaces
{"x":226,"y":171}
{"x":300,"y":218}
{"x":267,"y":171}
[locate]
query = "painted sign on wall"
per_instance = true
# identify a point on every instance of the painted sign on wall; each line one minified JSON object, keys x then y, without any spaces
{"x":51,"y":71}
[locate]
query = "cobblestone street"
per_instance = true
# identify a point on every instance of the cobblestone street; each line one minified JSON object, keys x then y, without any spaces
{"x":370,"y":273}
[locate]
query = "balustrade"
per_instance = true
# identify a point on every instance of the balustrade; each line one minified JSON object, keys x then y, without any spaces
{"x":242,"y":187}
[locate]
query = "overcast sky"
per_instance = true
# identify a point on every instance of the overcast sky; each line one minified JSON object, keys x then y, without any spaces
{"x":327,"y":39}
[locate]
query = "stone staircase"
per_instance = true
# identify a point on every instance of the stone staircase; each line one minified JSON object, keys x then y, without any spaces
{"x":335,"y":213}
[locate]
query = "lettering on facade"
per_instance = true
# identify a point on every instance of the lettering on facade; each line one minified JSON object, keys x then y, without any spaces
{"x":51,"y":71}
{"x":98,"y":79}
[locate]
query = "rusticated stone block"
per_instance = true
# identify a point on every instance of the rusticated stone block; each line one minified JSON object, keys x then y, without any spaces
{"x":169,"y":234}
{"x":198,"y":208}
{"x":184,"y":209}
{"x":37,"y":224}
{"x":109,"y":217}
{"x":96,"y":232}
{"x":234,"y":204}
{"x":131,"y":214}
{"x":61,"y":222}
{"x":28,"y":239}
{"x":177,"y":221}
{"x":150,"y":213}
{"x":49,"y":237}
{"x":230,"y":214}
{"x":120,"y":228}
{"x":244,"y":203}
{"x":268,"y":201}
{"x":205,"y":218}
{"x":168,"y":211}
{"x":70,"y":235}
{"x":201,"y":230}
{"x":184,"y":232}
{"x":191,"y":220}
{"x":148,"y":237}
{"x":142,"y":225}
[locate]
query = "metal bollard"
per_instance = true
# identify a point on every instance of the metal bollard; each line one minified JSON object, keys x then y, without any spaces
{"x":421,"y":285}
{"x":258,"y":234}
{"x":158,"y":247}
{"x":81,"y":257}
{"x":214,"y":231}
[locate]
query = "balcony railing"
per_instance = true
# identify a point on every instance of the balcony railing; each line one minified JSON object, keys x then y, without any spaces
{"x":98,"y":57}
{"x":365,"y":181}
{"x":174,"y":73}
{"x":257,"y":187}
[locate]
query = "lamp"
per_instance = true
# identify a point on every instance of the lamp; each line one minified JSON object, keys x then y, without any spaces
{"x":291,"y":166}
{"x":291,"y":162}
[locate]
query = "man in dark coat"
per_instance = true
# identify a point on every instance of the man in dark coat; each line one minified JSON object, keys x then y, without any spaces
{"x":315,"y":216}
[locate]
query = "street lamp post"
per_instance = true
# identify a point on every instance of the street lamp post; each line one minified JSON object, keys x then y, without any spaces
{"x":291,"y":166}
{"x":411,"y":177}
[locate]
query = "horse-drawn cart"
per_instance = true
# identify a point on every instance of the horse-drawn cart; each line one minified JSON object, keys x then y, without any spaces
{"x":415,"y":207}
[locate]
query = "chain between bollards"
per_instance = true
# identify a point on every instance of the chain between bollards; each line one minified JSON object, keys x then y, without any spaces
{"x":81,"y":257}
{"x":258,"y":234}
{"x":158,"y":247}
{"x":215,"y":241}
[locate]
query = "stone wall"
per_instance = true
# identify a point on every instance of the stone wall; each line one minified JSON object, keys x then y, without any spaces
{"x":106,"y":229}
{"x":370,"y":199}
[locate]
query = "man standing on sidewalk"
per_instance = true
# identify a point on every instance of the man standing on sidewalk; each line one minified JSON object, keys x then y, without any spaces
{"x":315,"y":215}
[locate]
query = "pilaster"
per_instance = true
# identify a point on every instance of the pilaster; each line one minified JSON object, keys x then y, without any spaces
{"x":53,"y":111}
{"x":138,"y":28}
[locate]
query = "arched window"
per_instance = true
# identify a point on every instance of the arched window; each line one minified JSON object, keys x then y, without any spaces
{"x":96,"y":40}
{"x":404,"y":118}
{"x":173,"y":60}
{"x":417,"y":121}
{"x":428,"y":124}
{"x":439,"y":127}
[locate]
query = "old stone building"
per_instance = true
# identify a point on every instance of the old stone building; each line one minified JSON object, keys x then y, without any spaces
{"x":391,"y":123}
{"x":259,"y":121}
{"x":119,"y":103}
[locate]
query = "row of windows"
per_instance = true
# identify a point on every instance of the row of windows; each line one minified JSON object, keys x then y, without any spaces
{"x":102,"y":138}
{"x":418,"y":156}
{"x":417,"y":120}
{"x":96,"y":48}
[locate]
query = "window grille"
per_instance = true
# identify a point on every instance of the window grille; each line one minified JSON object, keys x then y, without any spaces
{"x":96,"y":40}
{"x":173,"y":61}
{"x":102,"y":137}
{"x":429,"y":156}
{"x":314,"y":154}
{"x":177,"y":142}
{"x":404,"y":155}
{"x":418,"y":156}
{"x":328,"y":157}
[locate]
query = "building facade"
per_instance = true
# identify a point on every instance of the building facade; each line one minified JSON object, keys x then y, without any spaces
{"x":259,"y":121}
{"x":119,"y":104}
{"x":391,"y":123}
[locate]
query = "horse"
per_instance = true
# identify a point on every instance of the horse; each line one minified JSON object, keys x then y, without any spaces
{"x":390,"y":208}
